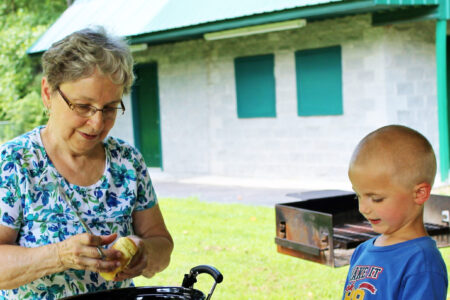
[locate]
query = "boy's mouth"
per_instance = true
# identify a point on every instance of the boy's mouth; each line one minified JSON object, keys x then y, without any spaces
{"x":374,"y":221}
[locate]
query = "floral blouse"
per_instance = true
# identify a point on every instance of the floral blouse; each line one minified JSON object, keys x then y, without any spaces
{"x":30,"y":204}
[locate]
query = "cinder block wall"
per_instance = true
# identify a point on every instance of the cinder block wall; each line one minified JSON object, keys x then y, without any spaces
{"x":123,"y":127}
{"x":389,"y":76}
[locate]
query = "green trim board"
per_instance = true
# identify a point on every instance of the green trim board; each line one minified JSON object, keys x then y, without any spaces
{"x":443,"y":122}
{"x":443,"y":10}
{"x":255,"y":86}
{"x":319,"y":81}
{"x":410,"y":14}
{"x":407,"y":2}
{"x":257,"y":29}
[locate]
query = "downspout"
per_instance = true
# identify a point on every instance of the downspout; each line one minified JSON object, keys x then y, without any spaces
{"x":441,"y":66}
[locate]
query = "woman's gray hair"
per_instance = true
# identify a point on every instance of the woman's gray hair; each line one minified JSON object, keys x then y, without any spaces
{"x":79,"y":54}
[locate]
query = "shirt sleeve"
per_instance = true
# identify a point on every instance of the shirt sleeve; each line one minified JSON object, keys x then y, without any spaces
{"x":426,"y":285}
{"x":146,"y":196}
{"x":10,"y":193}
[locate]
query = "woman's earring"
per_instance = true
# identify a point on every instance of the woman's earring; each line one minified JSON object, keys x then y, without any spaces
{"x":47,"y":111}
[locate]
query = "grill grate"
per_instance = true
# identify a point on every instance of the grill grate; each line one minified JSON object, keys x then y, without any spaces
{"x":349,"y":236}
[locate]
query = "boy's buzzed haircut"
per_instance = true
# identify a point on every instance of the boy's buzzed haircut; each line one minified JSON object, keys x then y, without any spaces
{"x":408,"y":152}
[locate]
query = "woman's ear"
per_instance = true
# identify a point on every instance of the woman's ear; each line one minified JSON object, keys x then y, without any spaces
{"x":422,"y":193}
{"x":46,"y":93}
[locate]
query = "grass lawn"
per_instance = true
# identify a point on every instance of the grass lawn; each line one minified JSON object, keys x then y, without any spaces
{"x":239,"y":241}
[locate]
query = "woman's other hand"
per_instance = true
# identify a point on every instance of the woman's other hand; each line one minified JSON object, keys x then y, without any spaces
{"x":80,"y":252}
{"x":137,"y":264}
{"x":154,"y":244}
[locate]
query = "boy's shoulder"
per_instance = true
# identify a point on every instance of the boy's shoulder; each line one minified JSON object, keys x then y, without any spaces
{"x":421,"y":251}
{"x":413,"y":269}
{"x":422,"y":244}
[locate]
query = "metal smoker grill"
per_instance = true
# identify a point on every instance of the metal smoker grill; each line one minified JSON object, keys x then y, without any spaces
{"x":326,"y":226}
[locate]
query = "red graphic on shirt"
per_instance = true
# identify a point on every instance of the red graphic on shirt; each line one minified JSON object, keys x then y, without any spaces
{"x":369,"y":287}
{"x":350,"y":287}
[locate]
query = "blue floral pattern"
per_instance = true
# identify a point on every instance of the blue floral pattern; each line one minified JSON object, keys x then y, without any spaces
{"x":30,"y":204}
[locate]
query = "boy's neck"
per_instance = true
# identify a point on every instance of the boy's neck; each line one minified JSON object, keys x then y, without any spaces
{"x":407,"y":234}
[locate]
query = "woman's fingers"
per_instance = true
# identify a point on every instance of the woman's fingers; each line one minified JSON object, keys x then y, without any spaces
{"x":89,"y":243}
{"x":97,"y":240}
{"x":92,"y":252}
{"x":98,"y":265}
{"x":80,"y":252}
{"x":108,"y":239}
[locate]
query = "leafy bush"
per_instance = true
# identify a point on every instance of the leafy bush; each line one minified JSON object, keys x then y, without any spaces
{"x":22,"y":22}
{"x":25,"y":114}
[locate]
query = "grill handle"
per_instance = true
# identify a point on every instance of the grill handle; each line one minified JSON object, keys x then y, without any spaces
{"x":191,"y":278}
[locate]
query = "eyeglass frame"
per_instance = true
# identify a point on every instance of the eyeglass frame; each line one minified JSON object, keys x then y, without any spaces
{"x":93,"y":108}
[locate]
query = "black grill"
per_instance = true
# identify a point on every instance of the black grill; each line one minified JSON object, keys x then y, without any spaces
{"x":326,"y":226}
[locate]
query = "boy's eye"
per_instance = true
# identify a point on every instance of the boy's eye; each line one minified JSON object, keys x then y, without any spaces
{"x":377,"y":200}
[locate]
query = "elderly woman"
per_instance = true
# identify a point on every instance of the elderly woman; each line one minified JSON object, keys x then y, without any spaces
{"x":44,"y":251}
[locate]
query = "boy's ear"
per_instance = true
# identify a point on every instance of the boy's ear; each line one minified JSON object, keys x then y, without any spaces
{"x":422,"y":193}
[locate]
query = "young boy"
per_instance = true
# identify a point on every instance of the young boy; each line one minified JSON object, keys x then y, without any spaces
{"x":392,"y":171}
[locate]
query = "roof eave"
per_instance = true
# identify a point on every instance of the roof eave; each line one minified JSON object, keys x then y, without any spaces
{"x":384,"y":12}
{"x":330,"y":10}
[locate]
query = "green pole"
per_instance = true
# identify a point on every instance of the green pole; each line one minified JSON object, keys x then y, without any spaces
{"x":441,"y":66}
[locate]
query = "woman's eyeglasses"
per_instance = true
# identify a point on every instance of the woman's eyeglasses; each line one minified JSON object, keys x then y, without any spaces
{"x":86,"y":110}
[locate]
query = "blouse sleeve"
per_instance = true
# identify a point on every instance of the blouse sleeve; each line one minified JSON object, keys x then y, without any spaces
{"x":10,"y":192}
{"x":146,"y":197}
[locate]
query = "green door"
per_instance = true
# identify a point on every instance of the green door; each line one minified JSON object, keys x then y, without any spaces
{"x":448,"y":86}
{"x":146,"y":114}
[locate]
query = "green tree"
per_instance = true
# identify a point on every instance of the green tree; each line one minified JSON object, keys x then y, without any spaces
{"x":22,"y":22}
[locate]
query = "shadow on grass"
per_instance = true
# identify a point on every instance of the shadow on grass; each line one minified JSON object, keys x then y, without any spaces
{"x":238,"y":240}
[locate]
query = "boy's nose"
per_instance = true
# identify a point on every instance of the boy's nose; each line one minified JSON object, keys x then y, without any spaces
{"x":364,"y":208}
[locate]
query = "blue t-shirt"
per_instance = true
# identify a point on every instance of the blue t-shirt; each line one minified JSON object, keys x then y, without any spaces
{"x":30,"y":204}
{"x":412,"y":270}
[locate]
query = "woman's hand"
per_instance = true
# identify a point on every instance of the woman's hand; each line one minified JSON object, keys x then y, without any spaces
{"x":154,"y":244}
{"x":80,"y":252}
{"x":137,"y":264}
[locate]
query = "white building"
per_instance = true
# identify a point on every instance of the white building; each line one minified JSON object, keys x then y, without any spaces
{"x":287,"y":99}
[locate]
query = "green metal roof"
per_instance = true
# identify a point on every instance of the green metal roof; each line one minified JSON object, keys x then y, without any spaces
{"x":407,"y":2}
{"x":159,"y":21}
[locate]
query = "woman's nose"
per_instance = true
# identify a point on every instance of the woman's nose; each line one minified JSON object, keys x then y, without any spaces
{"x":97,"y":120}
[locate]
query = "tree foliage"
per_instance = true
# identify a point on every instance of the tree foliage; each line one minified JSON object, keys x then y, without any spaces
{"x":22,"y":22}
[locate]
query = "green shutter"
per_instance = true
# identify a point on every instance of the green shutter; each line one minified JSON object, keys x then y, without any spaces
{"x":255,"y":86}
{"x":319,"y":81}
